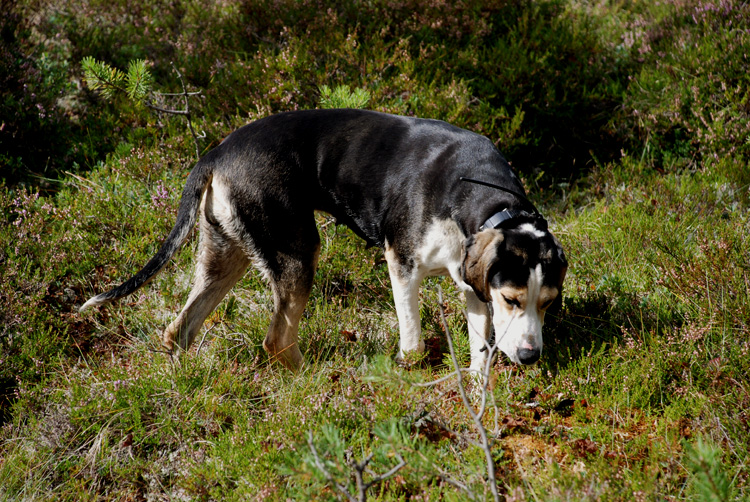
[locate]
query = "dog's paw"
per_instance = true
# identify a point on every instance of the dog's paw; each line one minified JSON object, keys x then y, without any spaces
{"x":410,"y":359}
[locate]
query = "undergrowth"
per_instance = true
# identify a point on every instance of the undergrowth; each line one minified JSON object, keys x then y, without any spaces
{"x":629,"y":125}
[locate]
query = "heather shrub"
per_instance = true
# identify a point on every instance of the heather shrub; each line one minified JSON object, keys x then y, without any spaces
{"x":534,"y":77}
{"x":29,"y":329}
{"x":34,"y":81}
{"x":688,"y":105}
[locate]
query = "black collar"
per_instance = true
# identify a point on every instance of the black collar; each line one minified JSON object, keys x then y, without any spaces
{"x":497,"y":219}
{"x":506,"y":217}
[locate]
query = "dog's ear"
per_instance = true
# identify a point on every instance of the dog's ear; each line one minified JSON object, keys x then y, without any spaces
{"x":556,"y":306}
{"x":561,"y":256}
{"x":480,"y":253}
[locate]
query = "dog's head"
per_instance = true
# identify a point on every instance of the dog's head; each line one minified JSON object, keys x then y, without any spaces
{"x":521,"y":271}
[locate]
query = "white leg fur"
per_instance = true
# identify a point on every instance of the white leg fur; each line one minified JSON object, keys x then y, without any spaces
{"x":219,"y":265}
{"x":406,"y":300}
{"x":479,"y":322}
{"x":438,"y":254}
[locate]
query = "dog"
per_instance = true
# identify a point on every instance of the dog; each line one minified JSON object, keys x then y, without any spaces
{"x":398,"y":183}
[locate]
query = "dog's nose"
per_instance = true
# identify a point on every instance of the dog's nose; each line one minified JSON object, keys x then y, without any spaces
{"x":528,"y":356}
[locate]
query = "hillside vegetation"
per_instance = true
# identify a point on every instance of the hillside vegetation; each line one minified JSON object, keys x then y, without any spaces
{"x":629,"y":123}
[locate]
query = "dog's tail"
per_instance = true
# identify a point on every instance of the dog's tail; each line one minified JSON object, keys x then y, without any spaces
{"x":196,"y":184}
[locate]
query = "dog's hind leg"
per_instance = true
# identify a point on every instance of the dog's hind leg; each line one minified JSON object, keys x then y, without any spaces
{"x":221,"y":262}
{"x":291,"y":277}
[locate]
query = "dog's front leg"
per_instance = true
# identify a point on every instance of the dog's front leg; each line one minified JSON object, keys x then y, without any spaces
{"x":480,"y":324}
{"x":405,"y":283}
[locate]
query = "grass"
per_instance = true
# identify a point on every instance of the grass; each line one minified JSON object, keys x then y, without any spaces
{"x":635,"y":149}
{"x":637,"y":368}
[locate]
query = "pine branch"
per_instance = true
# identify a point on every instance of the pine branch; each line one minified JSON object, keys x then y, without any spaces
{"x":322,"y":468}
{"x":137,"y":85}
{"x":359,"y":469}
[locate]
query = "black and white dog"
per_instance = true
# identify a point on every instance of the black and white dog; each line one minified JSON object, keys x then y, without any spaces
{"x":397,"y":183}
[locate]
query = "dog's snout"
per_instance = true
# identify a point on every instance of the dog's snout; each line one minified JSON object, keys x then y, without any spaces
{"x":528,"y":356}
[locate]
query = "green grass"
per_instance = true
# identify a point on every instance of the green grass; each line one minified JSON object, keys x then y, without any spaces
{"x":636,"y":366}
{"x":629,"y":125}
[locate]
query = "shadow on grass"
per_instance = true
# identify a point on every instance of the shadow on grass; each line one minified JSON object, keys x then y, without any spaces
{"x":597,"y":321}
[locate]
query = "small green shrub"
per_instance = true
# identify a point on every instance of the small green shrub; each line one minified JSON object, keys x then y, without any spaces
{"x":343,"y":97}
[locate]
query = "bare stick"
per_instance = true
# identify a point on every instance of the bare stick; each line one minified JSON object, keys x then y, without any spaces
{"x":390,"y":473}
{"x":476,"y":417}
{"x":166,"y":110}
{"x":196,"y":93}
{"x":187,"y":112}
{"x":200,"y":345}
{"x":444,"y":378}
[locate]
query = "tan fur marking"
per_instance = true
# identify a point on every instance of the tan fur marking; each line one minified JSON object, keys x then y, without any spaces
{"x":479,"y":256}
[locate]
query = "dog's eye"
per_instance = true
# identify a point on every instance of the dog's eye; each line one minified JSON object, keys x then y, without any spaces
{"x":547,"y":304}
{"x":511,"y":301}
